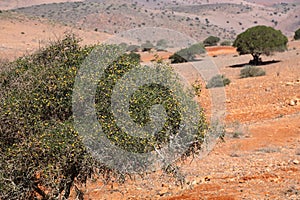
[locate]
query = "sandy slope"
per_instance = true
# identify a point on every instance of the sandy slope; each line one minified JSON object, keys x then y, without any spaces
{"x":20,"y":35}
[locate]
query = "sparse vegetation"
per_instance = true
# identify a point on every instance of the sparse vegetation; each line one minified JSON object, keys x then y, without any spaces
{"x":251,"y":71}
{"x":269,"y":149}
{"x":218,"y":81}
{"x":260,"y":40}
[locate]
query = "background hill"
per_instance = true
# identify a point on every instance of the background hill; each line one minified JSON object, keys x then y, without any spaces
{"x":11,"y":4}
{"x":196,"y":18}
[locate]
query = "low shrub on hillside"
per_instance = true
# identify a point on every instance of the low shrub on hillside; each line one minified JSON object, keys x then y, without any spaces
{"x":226,"y":43}
{"x":218,"y":81}
{"x":211,"y":41}
{"x":251,"y":71}
{"x":187,"y":54}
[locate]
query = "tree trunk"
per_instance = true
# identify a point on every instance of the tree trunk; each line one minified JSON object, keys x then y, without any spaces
{"x":256,"y":60}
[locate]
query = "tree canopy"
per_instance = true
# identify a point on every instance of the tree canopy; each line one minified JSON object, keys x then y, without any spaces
{"x":260,"y":40}
{"x":42,"y":154}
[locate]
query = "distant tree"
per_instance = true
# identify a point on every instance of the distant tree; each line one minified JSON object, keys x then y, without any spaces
{"x":133,"y":48}
{"x":161,"y":44}
{"x":260,"y":40}
{"x":297,"y":34}
{"x":211,"y":41}
{"x":226,"y":43}
{"x":187,"y":54}
{"x":147,"y":46}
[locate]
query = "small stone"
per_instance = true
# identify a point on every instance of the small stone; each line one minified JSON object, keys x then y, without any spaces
{"x":163,"y":192}
{"x":289,"y":83}
{"x":268,"y":89}
{"x":292,"y":103}
{"x":296,"y":162}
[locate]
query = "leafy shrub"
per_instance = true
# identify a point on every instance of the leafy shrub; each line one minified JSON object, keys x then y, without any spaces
{"x":251,"y":71}
{"x":211,"y":41}
{"x":147,"y":46}
{"x":218,"y":81}
{"x":161,"y":45}
{"x":297,"y":34}
{"x":41,"y":151}
{"x":42,"y":155}
{"x":187,"y":54}
{"x":226,"y":43}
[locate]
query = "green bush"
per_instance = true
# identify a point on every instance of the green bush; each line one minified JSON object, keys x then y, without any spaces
{"x":218,"y":81}
{"x":211,"y":41}
{"x":42,"y":155}
{"x":147,"y":46}
{"x":297,"y":34}
{"x":162,"y":45}
{"x":187,"y":54}
{"x":251,"y":71}
{"x":226,"y":43}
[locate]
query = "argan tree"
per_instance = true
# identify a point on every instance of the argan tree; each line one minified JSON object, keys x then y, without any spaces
{"x":42,"y":155}
{"x":260,"y":40}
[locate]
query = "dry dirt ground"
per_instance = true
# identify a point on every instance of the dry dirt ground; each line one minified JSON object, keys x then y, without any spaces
{"x":20,"y":35}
